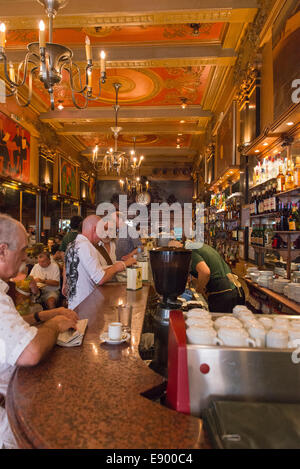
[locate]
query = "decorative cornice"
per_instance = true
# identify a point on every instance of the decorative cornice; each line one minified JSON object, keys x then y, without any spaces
{"x":223,"y":15}
{"x":251,"y":42}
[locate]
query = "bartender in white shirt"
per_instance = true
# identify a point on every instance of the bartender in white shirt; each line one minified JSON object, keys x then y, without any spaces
{"x":21,"y":343}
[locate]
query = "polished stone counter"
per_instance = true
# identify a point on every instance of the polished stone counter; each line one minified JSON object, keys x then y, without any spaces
{"x":90,"y":396}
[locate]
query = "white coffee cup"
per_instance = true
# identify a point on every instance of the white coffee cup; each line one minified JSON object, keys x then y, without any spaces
{"x":202,"y":336}
{"x":281,"y":323}
{"x":294,"y":337}
{"x":202,"y":322}
{"x":277,"y":338}
{"x":268,"y":323}
{"x":198,"y":313}
{"x":235,"y":337}
{"x":295,"y":324}
{"x":244,"y":314}
{"x":227,"y":321}
{"x":115,"y":330}
{"x":258,"y":333}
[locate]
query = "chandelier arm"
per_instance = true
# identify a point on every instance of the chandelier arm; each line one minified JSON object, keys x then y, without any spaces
{"x":11,"y":82}
{"x":69,"y":70}
{"x":30,"y":90}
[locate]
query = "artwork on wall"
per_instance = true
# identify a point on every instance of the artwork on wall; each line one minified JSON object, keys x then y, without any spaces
{"x":68,"y":178}
{"x":92,"y":189}
{"x":14,"y":150}
{"x":226,"y":140}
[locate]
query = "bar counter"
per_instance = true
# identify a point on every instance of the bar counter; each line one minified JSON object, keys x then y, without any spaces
{"x":90,"y":396}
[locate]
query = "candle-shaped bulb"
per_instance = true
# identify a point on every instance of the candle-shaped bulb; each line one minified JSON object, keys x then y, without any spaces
{"x":88,"y":48}
{"x":102,"y":61}
{"x":2,"y":35}
{"x":42,"y":34}
{"x":11,"y":72}
{"x":89,"y":78}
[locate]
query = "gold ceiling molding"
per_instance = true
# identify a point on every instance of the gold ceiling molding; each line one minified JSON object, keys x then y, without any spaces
{"x":176,"y":62}
{"x":251,"y":41}
{"x":239,"y":15}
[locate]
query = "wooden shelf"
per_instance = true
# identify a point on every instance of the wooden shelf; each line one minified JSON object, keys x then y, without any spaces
{"x":288,"y":232}
{"x":264,"y":215}
{"x":275,"y":296}
{"x":264,"y":248}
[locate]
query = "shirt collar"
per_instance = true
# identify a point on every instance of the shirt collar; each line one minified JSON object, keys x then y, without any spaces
{"x":4,"y":287}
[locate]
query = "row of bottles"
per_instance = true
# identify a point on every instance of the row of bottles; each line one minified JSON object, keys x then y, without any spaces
{"x":285,"y":171}
{"x":264,"y":201}
{"x":288,"y":217}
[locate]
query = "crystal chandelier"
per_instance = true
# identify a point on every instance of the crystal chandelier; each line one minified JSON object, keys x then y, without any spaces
{"x":115,"y":160}
{"x":46,"y":61}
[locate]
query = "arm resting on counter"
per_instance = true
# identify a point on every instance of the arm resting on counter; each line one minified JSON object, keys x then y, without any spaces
{"x":115,"y":268}
{"x":44,"y":340}
{"x":203,"y":276}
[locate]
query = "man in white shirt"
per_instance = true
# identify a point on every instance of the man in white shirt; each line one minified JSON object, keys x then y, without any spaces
{"x":20,"y":343}
{"x":83,"y":266}
{"x":47,"y":272}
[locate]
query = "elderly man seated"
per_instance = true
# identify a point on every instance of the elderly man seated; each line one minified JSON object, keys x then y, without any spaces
{"x":21,"y":343}
{"x":47,"y":273}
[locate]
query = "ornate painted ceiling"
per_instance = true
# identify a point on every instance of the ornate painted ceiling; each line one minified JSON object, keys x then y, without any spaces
{"x":153,"y":52}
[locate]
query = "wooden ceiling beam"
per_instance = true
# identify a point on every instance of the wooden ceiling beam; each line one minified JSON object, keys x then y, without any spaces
{"x":134,"y":113}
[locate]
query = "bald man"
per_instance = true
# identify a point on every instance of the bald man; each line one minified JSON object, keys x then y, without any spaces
{"x":83,"y":269}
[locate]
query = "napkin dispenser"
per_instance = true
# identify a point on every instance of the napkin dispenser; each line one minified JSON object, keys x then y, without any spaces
{"x":144,"y":267}
{"x":134,"y":278}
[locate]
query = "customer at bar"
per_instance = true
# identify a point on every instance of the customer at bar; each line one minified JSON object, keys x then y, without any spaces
{"x":47,"y":272}
{"x":75,"y":225}
{"x":214,"y":278}
{"x":21,"y":343}
{"x":126,"y":247}
{"x":83,"y":269}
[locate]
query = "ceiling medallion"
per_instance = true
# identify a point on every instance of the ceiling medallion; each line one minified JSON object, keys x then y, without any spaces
{"x":46,"y":61}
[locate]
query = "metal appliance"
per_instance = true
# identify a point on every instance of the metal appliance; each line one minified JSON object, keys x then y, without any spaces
{"x":170,"y":269}
{"x":197,"y":374}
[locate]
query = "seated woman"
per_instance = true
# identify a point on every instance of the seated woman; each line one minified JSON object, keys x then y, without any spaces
{"x":47,"y":273}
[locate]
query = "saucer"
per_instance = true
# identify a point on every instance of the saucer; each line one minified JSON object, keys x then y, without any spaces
{"x":104,"y":338}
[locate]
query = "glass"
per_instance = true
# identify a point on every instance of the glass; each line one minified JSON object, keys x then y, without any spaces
{"x":125,"y":316}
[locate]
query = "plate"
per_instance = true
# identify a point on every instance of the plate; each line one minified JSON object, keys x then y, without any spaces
{"x":104,"y":338}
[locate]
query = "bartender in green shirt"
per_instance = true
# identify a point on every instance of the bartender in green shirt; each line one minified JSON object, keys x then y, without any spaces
{"x":214,"y":278}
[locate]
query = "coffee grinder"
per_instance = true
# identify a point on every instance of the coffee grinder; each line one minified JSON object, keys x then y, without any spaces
{"x":170,"y":269}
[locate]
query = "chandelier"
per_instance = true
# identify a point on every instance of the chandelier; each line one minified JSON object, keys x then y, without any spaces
{"x":46,"y":61}
{"x":134,"y":185}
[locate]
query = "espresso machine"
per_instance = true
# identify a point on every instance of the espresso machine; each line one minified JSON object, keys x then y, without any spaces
{"x":170,"y":268}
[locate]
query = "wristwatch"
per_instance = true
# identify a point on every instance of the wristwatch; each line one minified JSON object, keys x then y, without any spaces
{"x":37,"y":317}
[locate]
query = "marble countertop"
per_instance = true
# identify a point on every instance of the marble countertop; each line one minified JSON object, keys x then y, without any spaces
{"x":90,"y":396}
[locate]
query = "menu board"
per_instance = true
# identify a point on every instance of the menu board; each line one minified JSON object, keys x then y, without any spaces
{"x":14,"y":150}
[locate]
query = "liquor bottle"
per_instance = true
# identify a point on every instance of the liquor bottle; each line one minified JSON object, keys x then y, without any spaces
{"x":297,"y":172}
{"x":280,"y":180}
{"x":289,"y":177}
{"x":292,"y":219}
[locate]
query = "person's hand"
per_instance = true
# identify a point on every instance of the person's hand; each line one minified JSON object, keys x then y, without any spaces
{"x":68,"y":313}
{"x":62,"y":323}
{"x":33,"y":286}
{"x":124,"y":258}
{"x":64,"y":290}
{"x":130,"y":261}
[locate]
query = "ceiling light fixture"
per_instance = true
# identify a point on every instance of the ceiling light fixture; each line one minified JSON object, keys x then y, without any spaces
{"x":46,"y":61}
{"x":183,"y":103}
